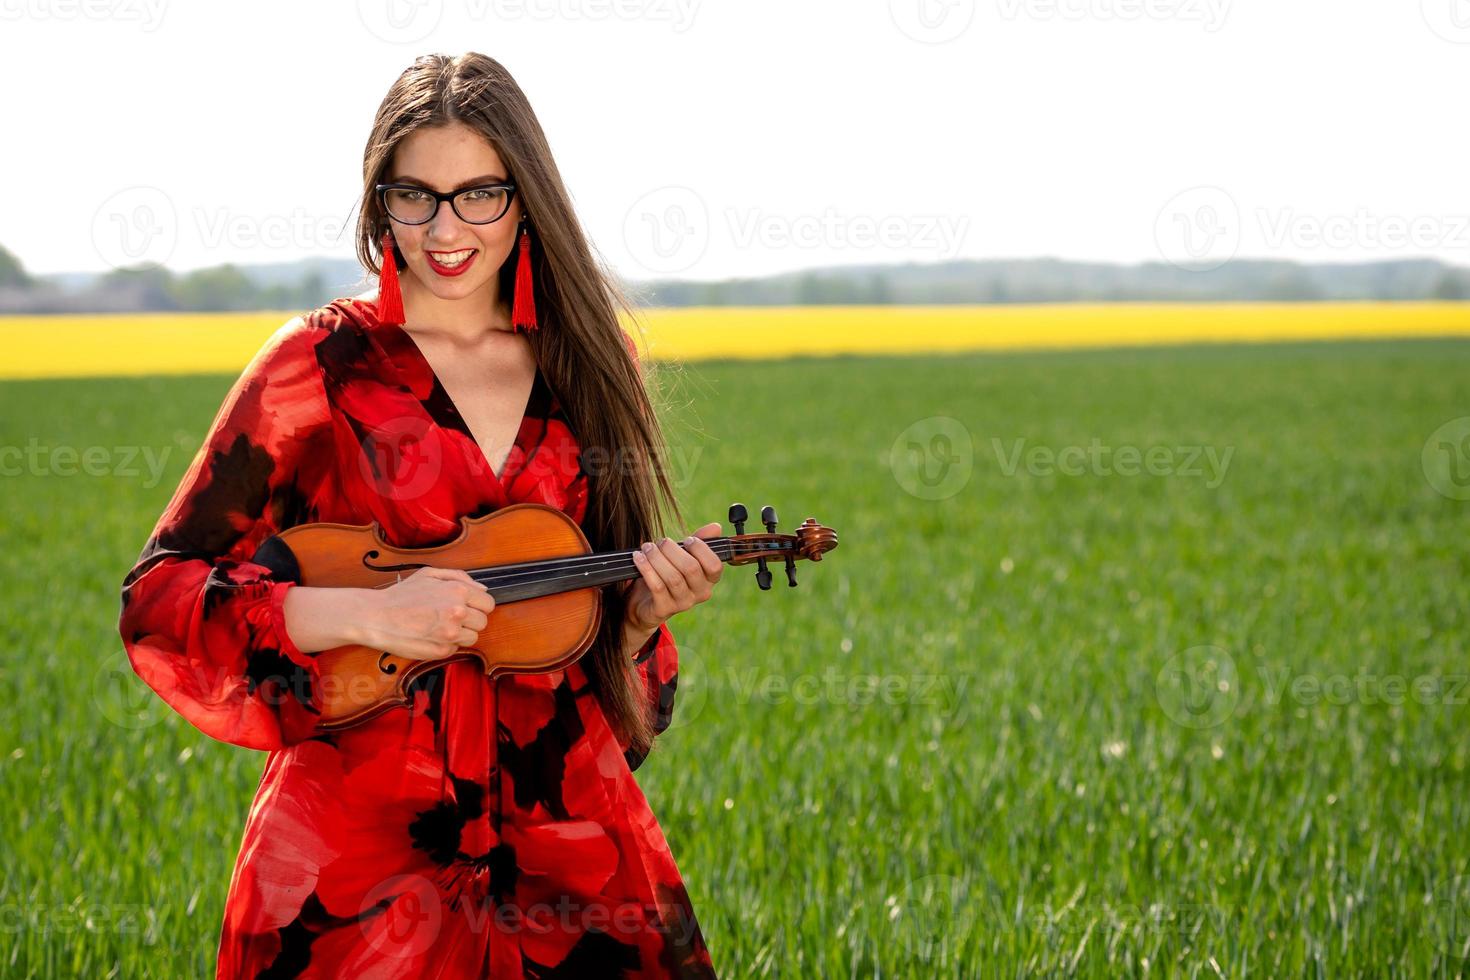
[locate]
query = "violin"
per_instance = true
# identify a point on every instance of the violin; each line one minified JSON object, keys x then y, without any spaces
{"x":536,"y":563}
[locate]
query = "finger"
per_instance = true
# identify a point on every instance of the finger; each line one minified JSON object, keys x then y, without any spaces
{"x":650,"y":576}
{"x":459,"y":633}
{"x":450,"y":575}
{"x":697,"y":574}
{"x":480,"y":599}
{"x":705,"y":555}
{"x":681,"y":559}
{"x":686,"y":571}
{"x":710,"y":530}
{"x":476,"y":620}
{"x":465,"y":577}
{"x":455,"y":617}
{"x":672,"y":579}
{"x":433,"y":650}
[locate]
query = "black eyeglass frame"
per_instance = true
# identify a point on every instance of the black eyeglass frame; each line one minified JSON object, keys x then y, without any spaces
{"x":439,"y":199}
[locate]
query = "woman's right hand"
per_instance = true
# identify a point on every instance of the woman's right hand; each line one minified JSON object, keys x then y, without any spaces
{"x":429,"y":615}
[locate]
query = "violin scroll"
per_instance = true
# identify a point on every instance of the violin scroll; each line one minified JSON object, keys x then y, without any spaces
{"x":810,"y":542}
{"x":814,"y":539}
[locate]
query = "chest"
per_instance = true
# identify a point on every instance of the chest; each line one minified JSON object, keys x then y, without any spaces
{"x":489,"y":390}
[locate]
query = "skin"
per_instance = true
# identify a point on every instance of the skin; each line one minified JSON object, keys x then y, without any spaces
{"x":462,"y":326}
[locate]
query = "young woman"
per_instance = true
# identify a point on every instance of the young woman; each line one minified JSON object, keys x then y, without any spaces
{"x":493,"y":828}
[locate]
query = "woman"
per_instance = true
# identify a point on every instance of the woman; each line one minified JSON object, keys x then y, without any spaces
{"x":493,"y":828}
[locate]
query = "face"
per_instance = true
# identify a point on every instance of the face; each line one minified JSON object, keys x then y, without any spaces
{"x":447,"y":158}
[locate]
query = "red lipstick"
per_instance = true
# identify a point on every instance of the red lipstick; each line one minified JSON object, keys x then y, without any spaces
{"x":447,"y":271}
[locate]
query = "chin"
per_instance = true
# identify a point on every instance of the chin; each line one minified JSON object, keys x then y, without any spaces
{"x":453,"y":288}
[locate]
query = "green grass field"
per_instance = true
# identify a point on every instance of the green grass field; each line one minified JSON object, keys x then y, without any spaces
{"x":1207,"y":719}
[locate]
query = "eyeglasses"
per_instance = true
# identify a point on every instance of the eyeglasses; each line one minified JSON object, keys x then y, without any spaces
{"x":415,"y":205}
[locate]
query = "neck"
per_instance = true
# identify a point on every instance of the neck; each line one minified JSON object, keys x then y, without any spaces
{"x":466,"y":320}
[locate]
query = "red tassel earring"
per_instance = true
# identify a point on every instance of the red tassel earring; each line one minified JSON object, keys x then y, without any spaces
{"x":523,"y":310}
{"x":390,"y":297}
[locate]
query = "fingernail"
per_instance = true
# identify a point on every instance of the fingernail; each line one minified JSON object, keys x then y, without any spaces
{"x":648,"y":546}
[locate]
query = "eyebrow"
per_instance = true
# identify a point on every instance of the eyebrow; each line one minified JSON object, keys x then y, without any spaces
{"x":472,"y":182}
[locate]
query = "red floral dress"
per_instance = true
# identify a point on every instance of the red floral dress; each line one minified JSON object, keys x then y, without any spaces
{"x":494,"y":828}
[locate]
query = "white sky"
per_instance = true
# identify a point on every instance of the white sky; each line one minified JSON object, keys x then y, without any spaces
{"x":713,"y":138}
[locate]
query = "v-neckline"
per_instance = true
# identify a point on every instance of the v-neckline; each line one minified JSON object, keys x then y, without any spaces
{"x":408,"y":343}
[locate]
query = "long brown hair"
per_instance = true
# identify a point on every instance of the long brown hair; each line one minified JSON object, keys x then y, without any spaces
{"x":579,"y":346}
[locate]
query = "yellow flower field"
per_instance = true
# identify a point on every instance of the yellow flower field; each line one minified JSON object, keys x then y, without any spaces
{"x":178,"y":343}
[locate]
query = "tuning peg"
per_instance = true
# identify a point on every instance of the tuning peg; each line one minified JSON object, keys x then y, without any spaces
{"x":763,"y":577}
{"x":790,"y":570}
{"x":737,"y":517}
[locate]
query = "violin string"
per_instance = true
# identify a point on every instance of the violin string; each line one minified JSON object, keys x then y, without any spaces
{"x":576,"y":561}
{"x":545,"y":580}
{"x":503,"y":576}
{"x":580,"y":565}
{"x":501,"y":579}
{"x":498,"y":576}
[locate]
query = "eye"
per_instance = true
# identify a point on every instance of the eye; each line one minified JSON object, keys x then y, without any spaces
{"x":481,"y":194}
{"x":413,"y":195}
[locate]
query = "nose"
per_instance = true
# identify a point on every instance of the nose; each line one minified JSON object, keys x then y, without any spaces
{"x":445,"y":225}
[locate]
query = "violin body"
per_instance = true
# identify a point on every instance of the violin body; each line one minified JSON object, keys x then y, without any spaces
{"x":533,"y":559}
{"x":537,"y":635}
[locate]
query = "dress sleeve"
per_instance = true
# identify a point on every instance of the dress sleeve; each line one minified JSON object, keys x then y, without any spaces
{"x":657,"y":664}
{"x":203,"y":625}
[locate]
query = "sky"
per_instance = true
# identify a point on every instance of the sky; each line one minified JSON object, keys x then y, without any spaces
{"x":707,"y":139}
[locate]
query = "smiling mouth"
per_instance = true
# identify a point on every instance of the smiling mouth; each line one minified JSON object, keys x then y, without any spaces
{"x":451,"y":260}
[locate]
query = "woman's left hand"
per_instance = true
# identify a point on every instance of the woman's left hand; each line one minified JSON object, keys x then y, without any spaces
{"x":674,"y":579}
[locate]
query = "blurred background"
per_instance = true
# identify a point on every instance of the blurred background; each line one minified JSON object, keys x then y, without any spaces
{"x":1123,"y":343}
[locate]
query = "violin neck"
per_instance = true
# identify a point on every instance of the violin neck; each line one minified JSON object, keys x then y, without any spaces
{"x":549,"y":576}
